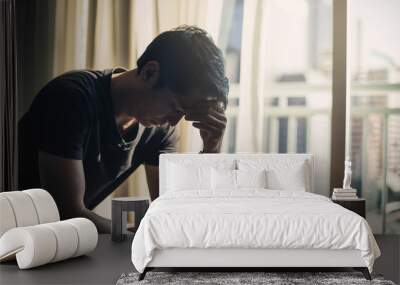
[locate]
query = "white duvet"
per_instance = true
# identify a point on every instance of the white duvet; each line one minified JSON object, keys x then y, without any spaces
{"x":250,"y":219}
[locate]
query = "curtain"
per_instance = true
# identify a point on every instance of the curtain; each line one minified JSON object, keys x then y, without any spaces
{"x":99,"y":34}
{"x":252,"y":77}
{"x":8,"y":97}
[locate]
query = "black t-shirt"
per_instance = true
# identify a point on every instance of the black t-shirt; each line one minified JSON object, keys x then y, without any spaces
{"x":73,"y":117}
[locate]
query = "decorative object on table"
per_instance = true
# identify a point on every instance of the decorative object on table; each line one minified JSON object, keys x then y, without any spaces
{"x":355,"y":205}
{"x":347,"y":174}
{"x":243,"y":278}
{"x":347,"y":192}
{"x":31,"y":231}
{"x":119,"y":215}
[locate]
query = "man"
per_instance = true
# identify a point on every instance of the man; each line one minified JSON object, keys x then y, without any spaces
{"x":87,"y":131}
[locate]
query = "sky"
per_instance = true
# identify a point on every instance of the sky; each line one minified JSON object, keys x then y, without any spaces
{"x":380,"y":22}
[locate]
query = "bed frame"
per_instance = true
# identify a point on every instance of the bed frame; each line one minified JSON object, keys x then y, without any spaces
{"x":243,"y":259}
{"x":246,"y":258}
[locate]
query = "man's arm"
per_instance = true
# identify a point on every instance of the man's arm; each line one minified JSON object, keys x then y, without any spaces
{"x":209,"y":117}
{"x":152,"y":180}
{"x":65,"y":180}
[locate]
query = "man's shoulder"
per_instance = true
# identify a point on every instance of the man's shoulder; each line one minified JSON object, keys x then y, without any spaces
{"x":76,"y":87}
{"x":80,"y":79}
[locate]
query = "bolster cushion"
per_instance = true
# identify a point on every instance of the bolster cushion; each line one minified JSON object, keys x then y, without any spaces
{"x":26,"y":208}
{"x":40,"y":244}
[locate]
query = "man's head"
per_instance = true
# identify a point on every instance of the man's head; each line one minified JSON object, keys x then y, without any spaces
{"x":184,"y":68}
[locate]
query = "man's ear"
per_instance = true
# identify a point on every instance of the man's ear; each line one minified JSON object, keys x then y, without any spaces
{"x":151,"y":72}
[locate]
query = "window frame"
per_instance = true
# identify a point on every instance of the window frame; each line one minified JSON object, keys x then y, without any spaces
{"x":340,"y":116}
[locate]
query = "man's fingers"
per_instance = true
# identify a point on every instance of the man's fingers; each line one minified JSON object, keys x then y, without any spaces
{"x":209,"y":119}
{"x":215,"y":121}
{"x":219,"y":115}
{"x":212,"y":124}
{"x":207,"y":128}
{"x":199,"y":114}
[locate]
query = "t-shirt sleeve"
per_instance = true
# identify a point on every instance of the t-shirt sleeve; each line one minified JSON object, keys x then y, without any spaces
{"x":61,"y":120}
{"x":164,"y":140}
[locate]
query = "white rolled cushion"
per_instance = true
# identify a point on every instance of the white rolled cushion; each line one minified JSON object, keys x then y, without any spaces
{"x":40,"y":244}
{"x":45,"y":205}
{"x":67,"y":240}
{"x":183,"y":177}
{"x":251,"y":178}
{"x":223,"y":179}
{"x":7,"y":218}
{"x":87,"y":235}
{"x":23,"y":208}
{"x":33,"y":246}
{"x":284,"y":174}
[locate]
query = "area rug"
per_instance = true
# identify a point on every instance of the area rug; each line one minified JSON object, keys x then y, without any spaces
{"x":243,"y":278}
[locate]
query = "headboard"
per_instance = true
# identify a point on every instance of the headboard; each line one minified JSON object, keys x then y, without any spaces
{"x":212,"y":158}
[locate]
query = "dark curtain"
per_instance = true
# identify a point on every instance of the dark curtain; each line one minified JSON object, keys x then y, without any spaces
{"x":8,"y":97}
{"x":35,"y":21}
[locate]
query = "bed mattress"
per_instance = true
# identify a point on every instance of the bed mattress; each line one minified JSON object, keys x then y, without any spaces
{"x":251,"y":219}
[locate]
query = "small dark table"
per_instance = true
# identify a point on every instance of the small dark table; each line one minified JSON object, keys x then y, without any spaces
{"x":355,"y":205}
{"x":119,"y":214}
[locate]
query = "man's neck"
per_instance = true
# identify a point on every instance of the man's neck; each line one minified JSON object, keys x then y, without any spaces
{"x":122,"y":86}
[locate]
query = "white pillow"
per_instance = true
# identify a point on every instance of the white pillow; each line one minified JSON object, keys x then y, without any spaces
{"x":251,"y":178}
{"x":293,"y":180}
{"x":223,"y":179}
{"x":191,"y":177}
{"x":227,"y":179}
{"x":282,"y":174}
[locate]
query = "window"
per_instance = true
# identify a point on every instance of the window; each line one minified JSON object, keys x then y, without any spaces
{"x":301,"y":135}
{"x":282,"y":134}
{"x":298,"y":92}
{"x":298,"y":84}
{"x":298,"y":89}
{"x":375,"y":109}
{"x":296,"y":101}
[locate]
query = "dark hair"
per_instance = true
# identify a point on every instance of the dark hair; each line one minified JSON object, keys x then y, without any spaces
{"x":189,"y":60}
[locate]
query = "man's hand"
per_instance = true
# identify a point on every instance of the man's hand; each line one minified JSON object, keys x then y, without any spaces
{"x":209,"y":117}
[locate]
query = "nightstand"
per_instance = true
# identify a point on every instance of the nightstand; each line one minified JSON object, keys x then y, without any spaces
{"x":119,"y":214}
{"x":355,"y":205}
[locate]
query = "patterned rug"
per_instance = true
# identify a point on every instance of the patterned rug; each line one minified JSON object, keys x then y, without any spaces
{"x":243,"y":278}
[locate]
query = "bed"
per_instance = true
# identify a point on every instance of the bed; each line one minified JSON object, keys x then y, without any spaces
{"x":247,"y":210}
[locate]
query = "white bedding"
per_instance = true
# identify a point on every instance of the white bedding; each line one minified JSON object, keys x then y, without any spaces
{"x":252,"y":218}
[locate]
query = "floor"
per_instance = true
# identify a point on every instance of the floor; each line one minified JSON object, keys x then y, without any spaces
{"x":110,"y":260}
{"x":389,"y":262}
{"x":103,"y":266}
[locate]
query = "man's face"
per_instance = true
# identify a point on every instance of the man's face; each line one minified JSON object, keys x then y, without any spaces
{"x":168,"y":108}
{"x":161,"y":108}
